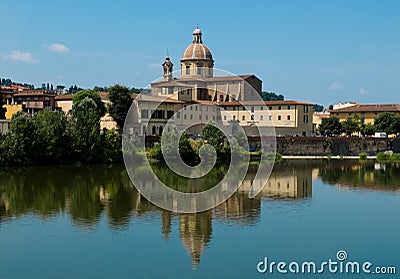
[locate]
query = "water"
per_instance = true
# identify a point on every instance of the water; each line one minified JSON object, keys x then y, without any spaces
{"x":89,"y":222}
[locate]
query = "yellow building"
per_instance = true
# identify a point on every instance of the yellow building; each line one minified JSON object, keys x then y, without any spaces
{"x":366,"y":113}
{"x":199,"y":96}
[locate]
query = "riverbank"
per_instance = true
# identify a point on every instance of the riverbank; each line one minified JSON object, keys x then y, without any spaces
{"x":324,"y":157}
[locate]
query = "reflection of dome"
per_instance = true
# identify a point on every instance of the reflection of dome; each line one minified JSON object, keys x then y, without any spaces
{"x":195,"y":231}
{"x":197,"y":50}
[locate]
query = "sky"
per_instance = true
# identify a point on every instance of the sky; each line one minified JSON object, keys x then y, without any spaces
{"x":315,"y":51}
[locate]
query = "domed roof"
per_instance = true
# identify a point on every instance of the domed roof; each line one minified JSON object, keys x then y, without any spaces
{"x":197,"y":50}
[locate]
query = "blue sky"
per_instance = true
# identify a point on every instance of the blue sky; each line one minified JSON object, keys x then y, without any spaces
{"x":316,"y":51}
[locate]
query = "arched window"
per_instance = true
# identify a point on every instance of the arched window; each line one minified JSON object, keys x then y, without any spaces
{"x":160,"y":130}
{"x":153,"y":130}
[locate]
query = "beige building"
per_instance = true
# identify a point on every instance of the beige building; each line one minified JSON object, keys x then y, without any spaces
{"x":200,"y":96}
{"x":366,"y":113}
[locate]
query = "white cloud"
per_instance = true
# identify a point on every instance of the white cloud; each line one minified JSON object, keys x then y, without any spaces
{"x":154,"y":65}
{"x":336,"y":86}
{"x":17,"y":55}
{"x":362,"y":91}
{"x":60,"y":48}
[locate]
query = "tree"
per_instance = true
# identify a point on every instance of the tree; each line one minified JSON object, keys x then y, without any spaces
{"x":51,"y":142}
{"x":216,"y":138}
{"x":111,"y":147}
{"x":350,"y":126}
{"x":388,"y":122}
{"x":19,"y":140}
{"x":81,"y":95}
{"x":368,"y":129}
{"x":121,"y":101}
{"x":85,"y":129}
{"x":271,"y":96}
{"x":330,"y":126}
{"x":318,"y":108}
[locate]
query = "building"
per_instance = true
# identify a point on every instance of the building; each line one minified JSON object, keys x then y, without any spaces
{"x":64,"y":102}
{"x":366,"y":113}
{"x":201,"y":95}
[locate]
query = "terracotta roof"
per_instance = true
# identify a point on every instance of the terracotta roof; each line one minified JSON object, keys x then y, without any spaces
{"x":183,"y":81}
{"x":197,"y":51}
{"x":64,"y":97}
{"x":267,"y":103}
{"x":152,"y":98}
{"x":34,"y":93}
{"x":369,"y":108}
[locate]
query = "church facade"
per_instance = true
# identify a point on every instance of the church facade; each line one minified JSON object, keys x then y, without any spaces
{"x":202,"y":94}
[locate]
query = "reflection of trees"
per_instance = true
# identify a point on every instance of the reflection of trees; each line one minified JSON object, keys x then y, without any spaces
{"x":84,"y":192}
{"x":366,"y":175}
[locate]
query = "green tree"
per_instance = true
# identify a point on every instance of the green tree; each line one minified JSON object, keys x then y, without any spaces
{"x":216,"y":138}
{"x":368,"y":129}
{"x":19,"y":140}
{"x":85,"y":129}
{"x":51,"y":142}
{"x":388,"y":122}
{"x":111,"y":147}
{"x":350,"y":126}
{"x":271,"y":96}
{"x":81,"y":95}
{"x":121,"y":101}
{"x":330,"y":126}
{"x":318,"y":108}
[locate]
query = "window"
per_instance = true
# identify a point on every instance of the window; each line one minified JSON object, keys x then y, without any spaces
{"x":144,"y":113}
{"x":261,"y":108}
{"x":252,"y":109}
{"x":261,"y":117}
{"x":206,"y":117}
{"x":233,"y":108}
{"x":184,"y":107}
{"x":288,"y":117}
{"x":184,"y":116}
{"x":191,"y":107}
{"x":270,"y":117}
{"x":199,"y":70}
{"x":252,"y":117}
{"x":178,"y":115}
{"x":224,"y":117}
{"x":200,"y":117}
{"x":279,"y":107}
{"x":288,"y":107}
{"x":195,"y":107}
{"x":234,"y":117}
{"x":170,"y":113}
{"x":270,"y":108}
{"x":191,"y":117}
{"x":244,"y":117}
{"x":279,"y":117}
{"x":188,"y":69}
{"x":305,"y":118}
{"x":305,"y":109}
{"x":221,"y":98}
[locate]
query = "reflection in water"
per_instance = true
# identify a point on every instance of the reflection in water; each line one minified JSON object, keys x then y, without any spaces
{"x":89,"y":192}
{"x":368,"y":175}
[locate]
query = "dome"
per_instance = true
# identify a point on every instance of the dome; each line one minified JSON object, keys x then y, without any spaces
{"x":197,"y":50}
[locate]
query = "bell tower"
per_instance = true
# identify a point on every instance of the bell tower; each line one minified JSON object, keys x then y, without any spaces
{"x":167,"y":69}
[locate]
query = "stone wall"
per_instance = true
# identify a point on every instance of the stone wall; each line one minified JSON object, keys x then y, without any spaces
{"x":332,"y":145}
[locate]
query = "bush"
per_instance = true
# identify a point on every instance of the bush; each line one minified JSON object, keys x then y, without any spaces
{"x":383,"y":158}
{"x":363,"y":156}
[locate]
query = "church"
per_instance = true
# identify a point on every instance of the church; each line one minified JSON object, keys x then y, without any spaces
{"x":197,"y":81}
{"x":202,"y":93}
